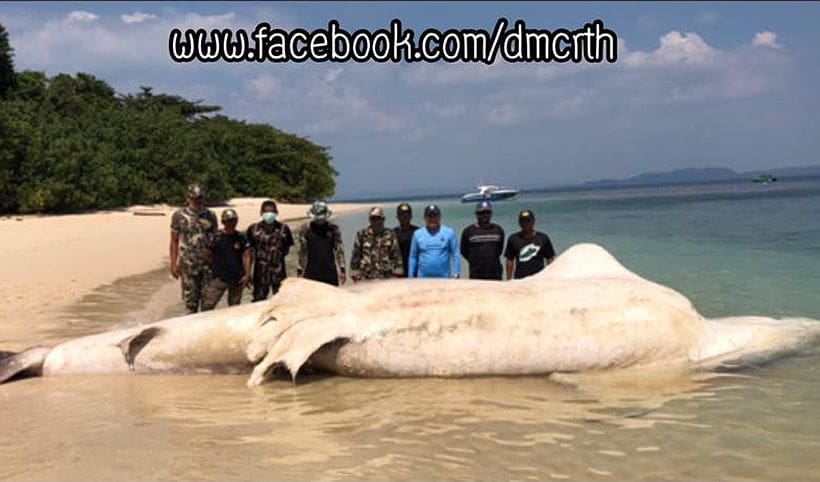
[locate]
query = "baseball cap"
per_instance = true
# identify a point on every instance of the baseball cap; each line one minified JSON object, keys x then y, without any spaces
{"x":195,"y":190}
{"x":404,"y":208}
{"x":377,"y":211}
{"x":229,"y":214}
{"x":483,"y":206}
{"x":432,"y":210}
{"x":319,"y":210}
{"x":526,"y":215}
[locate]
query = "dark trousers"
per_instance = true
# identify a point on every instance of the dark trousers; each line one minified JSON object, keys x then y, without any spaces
{"x":260,"y":290}
{"x":213,"y":293}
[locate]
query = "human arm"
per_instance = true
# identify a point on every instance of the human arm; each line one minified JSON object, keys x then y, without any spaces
{"x":208,"y":255}
{"x":356,"y":258}
{"x":465,"y":245}
{"x":395,"y":256}
{"x":412,"y":259}
{"x":549,"y":251}
{"x":301,"y":239}
{"x":454,"y":255}
{"x":247,"y":259}
{"x":510,"y":254}
{"x":500,"y":249}
{"x":339,"y":249}
{"x":173,"y":247}
{"x":287,"y":240}
{"x":174,"y":253}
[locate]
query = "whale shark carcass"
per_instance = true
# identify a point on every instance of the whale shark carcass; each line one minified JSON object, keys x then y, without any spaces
{"x":583,"y":312}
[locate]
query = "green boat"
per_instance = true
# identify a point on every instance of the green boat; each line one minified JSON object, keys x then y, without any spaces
{"x":765,"y":179}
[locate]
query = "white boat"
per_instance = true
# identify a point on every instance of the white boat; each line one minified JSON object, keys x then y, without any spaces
{"x":489,"y":193}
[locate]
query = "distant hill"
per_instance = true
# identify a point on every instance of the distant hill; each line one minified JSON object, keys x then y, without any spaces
{"x":709,"y":174}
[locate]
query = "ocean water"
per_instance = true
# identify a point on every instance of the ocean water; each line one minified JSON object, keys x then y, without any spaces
{"x":731,"y":248}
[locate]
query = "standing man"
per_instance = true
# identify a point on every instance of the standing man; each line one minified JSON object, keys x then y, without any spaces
{"x":404,"y":232}
{"x":482,"y":244}
{"x":229,"y":254}
{"x":434,"y":250}
{"x":271,"y":242}
{"x":321,"y":251}
{"x":190,"y":228}
{"x":376,"y":253}
{"x":528,"y":250}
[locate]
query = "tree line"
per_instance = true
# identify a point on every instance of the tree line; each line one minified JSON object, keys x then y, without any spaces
{"x":71,"y":143}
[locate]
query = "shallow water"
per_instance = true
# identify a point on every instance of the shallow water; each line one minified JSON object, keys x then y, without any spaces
{"x":730,"y":248}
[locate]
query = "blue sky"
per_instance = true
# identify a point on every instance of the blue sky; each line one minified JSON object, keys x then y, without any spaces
{"x":696,"y":85}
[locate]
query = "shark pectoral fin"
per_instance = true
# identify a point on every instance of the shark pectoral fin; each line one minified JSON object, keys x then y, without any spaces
{"x":133,"y":344}
{"x":298,"y":343}
{"x":28,"y":362}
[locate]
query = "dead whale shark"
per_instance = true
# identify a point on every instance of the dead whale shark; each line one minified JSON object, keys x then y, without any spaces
{"x":584,"y":312}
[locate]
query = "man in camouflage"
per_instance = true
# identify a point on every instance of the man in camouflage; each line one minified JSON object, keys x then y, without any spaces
{"x":321,"y":250}
{"x":191,"y":228}
{"x":271,"y":242}
{"x":376,"y":253}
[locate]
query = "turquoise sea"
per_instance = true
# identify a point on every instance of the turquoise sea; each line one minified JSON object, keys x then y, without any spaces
{"x":732,"y":248}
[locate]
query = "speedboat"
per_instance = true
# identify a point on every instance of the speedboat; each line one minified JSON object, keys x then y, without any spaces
{"x":765,"y":179}
{"x":489,"y":193}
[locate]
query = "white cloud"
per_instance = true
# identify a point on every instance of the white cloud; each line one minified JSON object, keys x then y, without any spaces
{"x":265,"y":85}
{"x":82,"y":16}
{"x":707,"y":18}
{"x":332,"y":75}
{"x":137,"y":17}
{"x":82,"y":41}
{"x":675,"y":48}
{"x":766,"y":39}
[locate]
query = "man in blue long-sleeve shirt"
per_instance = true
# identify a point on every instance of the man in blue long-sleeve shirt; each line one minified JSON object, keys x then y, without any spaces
{"x":434,"y":249}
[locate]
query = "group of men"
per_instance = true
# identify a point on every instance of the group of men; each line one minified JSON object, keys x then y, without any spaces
{"x":210,"y":261}
{"x":433,"y":251}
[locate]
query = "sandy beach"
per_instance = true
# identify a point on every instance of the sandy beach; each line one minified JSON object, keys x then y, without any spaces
{"x":49,"y":262}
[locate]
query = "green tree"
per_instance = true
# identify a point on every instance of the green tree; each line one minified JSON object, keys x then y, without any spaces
{"x":7,"y":80}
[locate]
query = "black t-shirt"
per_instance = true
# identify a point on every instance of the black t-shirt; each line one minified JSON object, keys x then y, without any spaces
{"x":227,"y":258}
{"x":530,"y":254}
{"x":482,"y":246}
{"x":405,"y":237}
{"x":321,"y":247}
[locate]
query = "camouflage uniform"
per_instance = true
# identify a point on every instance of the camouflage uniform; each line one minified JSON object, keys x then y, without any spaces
{"x":308,"y":267}
{"x":194,"y":229}
{"x":376,"y":255}
{"x":271,"y":243}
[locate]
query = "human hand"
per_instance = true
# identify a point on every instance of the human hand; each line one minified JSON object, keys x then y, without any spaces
{"x":175,"y":271}
{"x":342,"y":278}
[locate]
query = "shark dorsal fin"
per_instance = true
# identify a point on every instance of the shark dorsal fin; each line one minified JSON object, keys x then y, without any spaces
{"x":586,"y":261}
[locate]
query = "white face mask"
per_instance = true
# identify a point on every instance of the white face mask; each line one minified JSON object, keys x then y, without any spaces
{"x":269,"y":217}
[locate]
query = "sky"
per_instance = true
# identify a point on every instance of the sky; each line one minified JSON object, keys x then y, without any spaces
{"x":695,"y":85}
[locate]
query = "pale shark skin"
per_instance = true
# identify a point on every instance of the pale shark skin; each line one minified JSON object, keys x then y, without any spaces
{"x":210,"y":342}
{"x":583,"y":312}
